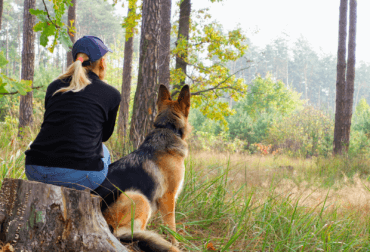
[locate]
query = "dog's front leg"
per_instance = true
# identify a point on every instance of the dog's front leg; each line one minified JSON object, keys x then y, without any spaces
{"x":166,"y":206}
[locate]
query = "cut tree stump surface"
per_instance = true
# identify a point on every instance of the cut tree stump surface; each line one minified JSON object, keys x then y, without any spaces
{"x":41,"y":217}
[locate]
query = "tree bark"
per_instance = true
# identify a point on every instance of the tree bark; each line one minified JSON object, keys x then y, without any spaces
{"x":184,"y":24}
{"x":1,"y":11}
{"x":339,"y":136}
{"x":164,"y":47}
{"x":350,"y":76}
{"x":42,"y":217}
{"x":144,"y":109}
{"x":7,"y":46}
{"x":126,"y":85}
{"x":28,"y":61}
{"x":71,"y":16}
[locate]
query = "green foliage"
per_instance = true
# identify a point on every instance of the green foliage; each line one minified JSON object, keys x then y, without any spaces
{"x":42,"y":78}
{"x":201,"y":123}
{"x":130,"y":23}
{"x":361,"y":118}
{"x":306,"y":132}
{"x":253,"y":130}
{"x":266,"y":101}
{"x":266,"y":95}
{"x":360,"y":129}
{"x":210,"y":77}
{"x":10,"y":85}
{"x":51,"y":24}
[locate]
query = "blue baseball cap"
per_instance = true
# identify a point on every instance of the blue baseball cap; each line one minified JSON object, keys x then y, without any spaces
{"x":90,"y":45}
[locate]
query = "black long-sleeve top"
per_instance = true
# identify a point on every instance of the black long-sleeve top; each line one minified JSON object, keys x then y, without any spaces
{"x":75,"y":125}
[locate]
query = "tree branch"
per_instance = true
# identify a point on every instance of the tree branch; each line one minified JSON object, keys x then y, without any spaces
{"x":18,"y":91}
{"x":215,"y":87}
{"x":46,"y":9}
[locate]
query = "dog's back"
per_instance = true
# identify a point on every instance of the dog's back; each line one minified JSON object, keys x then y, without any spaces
{"x":151,"y":176}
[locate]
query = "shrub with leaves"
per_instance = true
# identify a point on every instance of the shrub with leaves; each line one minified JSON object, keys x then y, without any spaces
{"x":361,"y":118}
{"x":266,"y":100}
{"x":307,"y":132}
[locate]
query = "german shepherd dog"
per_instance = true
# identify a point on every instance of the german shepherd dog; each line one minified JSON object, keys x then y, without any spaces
{"x":152,"y":176}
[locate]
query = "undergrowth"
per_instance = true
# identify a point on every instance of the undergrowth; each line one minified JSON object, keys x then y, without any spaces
{"x":240,"y":202}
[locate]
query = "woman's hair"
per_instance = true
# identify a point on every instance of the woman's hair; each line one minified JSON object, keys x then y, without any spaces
{"x":78,"y":73}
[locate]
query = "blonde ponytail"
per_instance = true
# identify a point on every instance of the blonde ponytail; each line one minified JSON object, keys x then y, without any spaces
{"x":78,"y":73}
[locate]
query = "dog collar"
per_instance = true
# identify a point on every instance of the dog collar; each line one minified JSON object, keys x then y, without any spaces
{"x":171,"y":127}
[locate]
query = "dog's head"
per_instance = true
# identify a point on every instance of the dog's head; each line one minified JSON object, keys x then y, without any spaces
{"x":173,"y":113}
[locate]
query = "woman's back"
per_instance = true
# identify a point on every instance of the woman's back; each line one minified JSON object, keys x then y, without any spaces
{"x":75,"y":124}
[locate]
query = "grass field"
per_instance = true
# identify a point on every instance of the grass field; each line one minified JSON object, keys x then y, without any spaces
{"x":236,"y":202}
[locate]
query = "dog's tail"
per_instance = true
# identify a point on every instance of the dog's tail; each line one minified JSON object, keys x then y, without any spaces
{"x":149,"y":241}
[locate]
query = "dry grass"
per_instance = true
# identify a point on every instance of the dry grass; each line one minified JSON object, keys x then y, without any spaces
{"x":301,"y":210}
{"x":285,"y":174}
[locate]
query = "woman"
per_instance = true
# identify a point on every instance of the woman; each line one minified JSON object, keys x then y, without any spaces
{"x":80,"y":113}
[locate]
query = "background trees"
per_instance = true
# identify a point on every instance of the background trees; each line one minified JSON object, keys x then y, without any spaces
{"x":222,"y":67}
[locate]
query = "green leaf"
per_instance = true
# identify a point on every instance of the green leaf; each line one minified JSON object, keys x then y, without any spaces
{"x":49,"y":30}
{"x":3,"y":60}
{"x":2,"y":88}
{"x":65,"y":40}
{"x":37,"y":12}
{"x":39,"y":26}
{"x":43,"y":40}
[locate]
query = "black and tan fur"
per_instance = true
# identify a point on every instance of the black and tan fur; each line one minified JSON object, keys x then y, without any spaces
{"x":151,"y":176}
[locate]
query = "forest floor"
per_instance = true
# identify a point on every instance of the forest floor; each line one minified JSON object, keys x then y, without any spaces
{"x":241,"y":202}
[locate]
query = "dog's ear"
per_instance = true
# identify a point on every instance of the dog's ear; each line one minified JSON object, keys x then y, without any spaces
{"x":184,"y":99}
{"x":163,"y":95}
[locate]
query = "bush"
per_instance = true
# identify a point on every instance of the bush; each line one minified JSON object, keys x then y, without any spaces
{"x":207,"y":141}
{"x":308,"y":132}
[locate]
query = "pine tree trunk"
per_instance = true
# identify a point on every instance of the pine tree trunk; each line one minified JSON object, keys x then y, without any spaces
{"x":7,"y":46}
{"x":339,"y":133}
{"x":41,"y":217}
{"x":144,"y":109}
{"x":126,"y":85}
{"x":1,"y":11}
{"x":28,"y":61}
{"x":350,"y":76}
{"x":164,"y":47}
{"x":71,"y":16}
{"x":184,"y":24}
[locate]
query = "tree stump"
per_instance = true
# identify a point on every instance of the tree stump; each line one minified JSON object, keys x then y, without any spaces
{"x":41,"y":217}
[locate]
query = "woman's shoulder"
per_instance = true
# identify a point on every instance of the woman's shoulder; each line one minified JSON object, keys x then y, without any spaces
{"x":57,"y":84}
{"x":108,"y":91}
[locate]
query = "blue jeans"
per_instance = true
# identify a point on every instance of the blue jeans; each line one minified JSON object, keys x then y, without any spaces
{"x":71,"y":178}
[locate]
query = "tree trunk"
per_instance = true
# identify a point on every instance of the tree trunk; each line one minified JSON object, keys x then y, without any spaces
{"x":164,"y":47}
{"x":28,"y":60}
{"x":126,"y":85}
{"x":71,"y":16}
{"x":56,"y":58}
{"x":184,"y":21}
{"x":1,"y":11}
{"x":350,"y":76}
{"x":339,"y":135}
{"x":7,"y":46}
{"x":42,"y":217}
{"x":146,"y":93}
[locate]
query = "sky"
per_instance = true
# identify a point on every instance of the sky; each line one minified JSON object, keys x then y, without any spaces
{"x":316,"y":20}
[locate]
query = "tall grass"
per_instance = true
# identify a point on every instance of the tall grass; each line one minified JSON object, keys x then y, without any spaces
{"x":251,"y":218}
{"x":250,"y":202}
